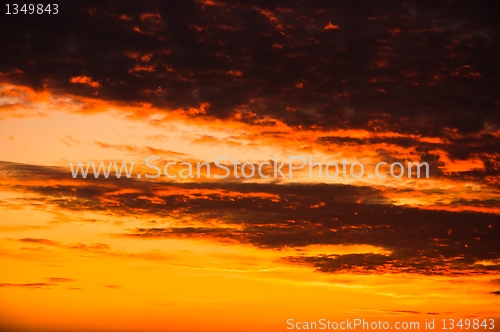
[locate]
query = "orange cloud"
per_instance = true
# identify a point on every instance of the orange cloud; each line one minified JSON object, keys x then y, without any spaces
{"x":331,"y":26}
{"x":85,"y":80}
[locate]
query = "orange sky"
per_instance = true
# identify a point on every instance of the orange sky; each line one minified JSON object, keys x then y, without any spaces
{"x":235,"y":254}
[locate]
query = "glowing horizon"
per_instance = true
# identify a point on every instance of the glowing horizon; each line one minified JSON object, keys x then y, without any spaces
{"x":394,"y":83}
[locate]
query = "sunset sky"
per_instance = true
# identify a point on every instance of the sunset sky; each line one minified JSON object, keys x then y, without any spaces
{"x":118,"y":81}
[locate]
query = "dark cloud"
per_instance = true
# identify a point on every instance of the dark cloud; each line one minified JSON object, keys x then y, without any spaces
{"x":278,"y":216}
{"x":483,"y":147}
{"x":418,"y":68}
{"x":39,"y":285}
{"x":414,"y":67}
{"x":31,"y":286}
{"x":407,"y":261}
{"x":40,"y":241}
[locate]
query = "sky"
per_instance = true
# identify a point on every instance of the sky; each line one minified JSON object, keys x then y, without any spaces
{"x":255,"y":82}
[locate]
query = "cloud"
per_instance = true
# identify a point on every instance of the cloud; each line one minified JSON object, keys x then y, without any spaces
{"x":397,"y":312}
{"x":113,"y":286}
{"x":94,"y":247}
{"x":398,"y":262}
{"x":85,"y":80}
{"x":278,"y":216}
{"x":386,"y":66}
{"x":97,"y":250}
{"x":40,"y":241}
{"x":423,"y":84}
{"x":22,"y":228}
{"x":59,"y":279}
{"x":38,"y":285}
